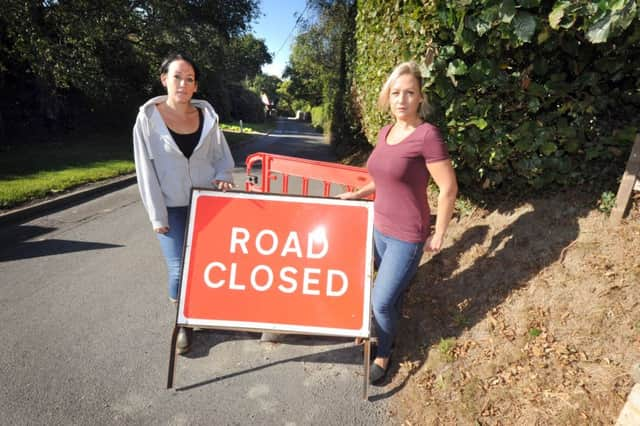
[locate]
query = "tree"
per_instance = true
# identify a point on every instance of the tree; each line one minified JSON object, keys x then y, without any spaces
{"x":245,"y":57}
{"x":314,"y":64}
{"x":320,"y":71}
{"x":75,"y":56}
{"x":268,"y":84}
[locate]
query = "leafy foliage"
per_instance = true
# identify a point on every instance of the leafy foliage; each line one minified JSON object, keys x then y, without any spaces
{"x":77,"y":56}
{"x":320,"y":73}
{"x":267,"y":84}
{"x":527,"y":93}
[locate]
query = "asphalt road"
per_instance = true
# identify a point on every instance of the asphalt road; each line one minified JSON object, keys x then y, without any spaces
{"x":86,"y":330}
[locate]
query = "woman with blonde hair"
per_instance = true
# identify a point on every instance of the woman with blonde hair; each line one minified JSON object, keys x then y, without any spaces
{"x":407,"y":154}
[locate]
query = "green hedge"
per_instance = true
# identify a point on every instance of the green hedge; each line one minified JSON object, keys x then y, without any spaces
{"x":320,"y":117}
{"x":528,"y":93}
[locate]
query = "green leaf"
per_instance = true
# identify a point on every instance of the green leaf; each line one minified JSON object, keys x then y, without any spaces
{"x":535,"y":332}
{"x":481,"y":70}
{"x":507,"y":11}
{"x":548,"y":148}
{"x":556,"y":15}
{"x":524,"y":26}
{"x":533,"y":105}
{"x":480,"y":26}
{"x":599,"y":31}
{"x":480,"y":123}
{"x":571,"y":146}
{"x":616,"y":20}
{"x":457,"y":67}
{"x":626,"y":15}
{"x":460,"y":29}
{"x":536,"y":90}
{"x":529,"y":3}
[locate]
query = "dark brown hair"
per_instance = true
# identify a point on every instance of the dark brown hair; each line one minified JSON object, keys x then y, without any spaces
{"x":164,"y":68}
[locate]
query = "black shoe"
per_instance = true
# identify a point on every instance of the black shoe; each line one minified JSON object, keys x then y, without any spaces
{"x":377,"y":374}
{"x":183,"y":342}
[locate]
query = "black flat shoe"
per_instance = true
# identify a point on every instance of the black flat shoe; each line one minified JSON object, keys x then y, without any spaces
{"x":377,"y":374}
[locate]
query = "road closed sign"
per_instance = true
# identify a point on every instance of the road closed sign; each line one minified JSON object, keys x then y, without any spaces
{"x":275,"y":262}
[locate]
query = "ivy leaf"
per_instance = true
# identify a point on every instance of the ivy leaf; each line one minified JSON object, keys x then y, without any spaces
{"x":524,"y":26}
{"x":548,"y":148}
{"x":556,"y":15}
{"x":480,"y":123}
{"x":480,"y":26}
{"x":457,"y":67}
{"x":481,"y":70}
{"x":460,"y":29}
{"x":617,"y":20}
{"x":599,"y":31}
{"x":507,"y":11}
{"x":571,"y":146}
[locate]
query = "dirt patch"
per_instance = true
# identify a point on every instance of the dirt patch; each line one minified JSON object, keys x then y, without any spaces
{"x":529,"y":316}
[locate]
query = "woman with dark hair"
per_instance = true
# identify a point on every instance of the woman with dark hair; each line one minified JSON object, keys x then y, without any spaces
{"x":178,"y":144}
{"x":408,"y":153}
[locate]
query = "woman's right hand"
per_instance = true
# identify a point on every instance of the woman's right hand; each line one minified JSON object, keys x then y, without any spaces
{"x":352,"y":195}
{"x":161,"y":230}
{"x":361,"y":193}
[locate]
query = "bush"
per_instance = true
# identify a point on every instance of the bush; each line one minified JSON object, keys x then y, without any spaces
{"x":320,"y":117}
{"x":520,"y":103}
{"x":246,"y":105}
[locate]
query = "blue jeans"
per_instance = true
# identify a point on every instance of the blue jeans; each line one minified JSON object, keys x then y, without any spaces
{"x":172,"y":244}
{"x":397,"y":261}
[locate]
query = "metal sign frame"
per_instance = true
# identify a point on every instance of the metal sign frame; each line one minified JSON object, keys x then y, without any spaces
{"x":246,"y":200}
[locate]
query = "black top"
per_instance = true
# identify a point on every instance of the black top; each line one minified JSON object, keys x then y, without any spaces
{"x":188,"y":142}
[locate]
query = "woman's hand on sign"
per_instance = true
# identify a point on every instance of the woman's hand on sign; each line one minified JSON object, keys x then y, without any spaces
{"x":363,"y":192}
{"x":223,"y":185}
{"x":352,"y":195}
{"x":161,"y":230}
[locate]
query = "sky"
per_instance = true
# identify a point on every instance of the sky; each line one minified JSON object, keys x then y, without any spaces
{"x":277,"y":27}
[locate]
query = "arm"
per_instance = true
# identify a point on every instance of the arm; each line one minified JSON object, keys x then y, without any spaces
{"x":224,"y":179}
{"x":148,"y":184}
{"x":444,"y":176}
{"x":363,"y":192}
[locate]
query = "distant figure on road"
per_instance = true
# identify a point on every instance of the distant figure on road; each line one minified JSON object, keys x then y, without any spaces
{"x":407,"y":153}
{"x":177,"y":145}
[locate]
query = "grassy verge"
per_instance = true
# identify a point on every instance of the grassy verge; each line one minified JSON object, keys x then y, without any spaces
{"x":235,"y":134}
{"x":33,"y":171}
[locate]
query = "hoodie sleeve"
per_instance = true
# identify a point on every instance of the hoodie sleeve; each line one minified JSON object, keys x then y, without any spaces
{"x":148,"y":184}
{"x":225,"y":164}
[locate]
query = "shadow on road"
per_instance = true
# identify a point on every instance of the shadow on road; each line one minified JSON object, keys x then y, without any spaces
{"x":16,"y":246}
{"x":344,"y":355}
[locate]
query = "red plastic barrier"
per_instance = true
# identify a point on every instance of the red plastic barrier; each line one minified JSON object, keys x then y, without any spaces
{"x":275,"y":166}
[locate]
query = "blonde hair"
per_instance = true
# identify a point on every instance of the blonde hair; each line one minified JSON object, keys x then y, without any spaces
{"x":404,"y":68}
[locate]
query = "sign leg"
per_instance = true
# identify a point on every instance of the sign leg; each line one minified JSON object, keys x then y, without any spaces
{"x":367,"y":351}
{"x":172,"y":357}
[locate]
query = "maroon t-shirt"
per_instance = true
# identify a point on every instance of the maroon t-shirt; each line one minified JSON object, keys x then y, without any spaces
{"x":401,"y":208}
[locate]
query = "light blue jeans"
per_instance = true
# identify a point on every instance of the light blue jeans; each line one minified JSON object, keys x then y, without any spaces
{"x":172,"y":245}
{"x":397,"y":261}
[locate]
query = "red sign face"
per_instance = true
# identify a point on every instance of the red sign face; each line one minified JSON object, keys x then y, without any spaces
{"x":272,"y":262}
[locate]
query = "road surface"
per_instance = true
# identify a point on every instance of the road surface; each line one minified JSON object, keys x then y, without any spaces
{"x":86,"y":327}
